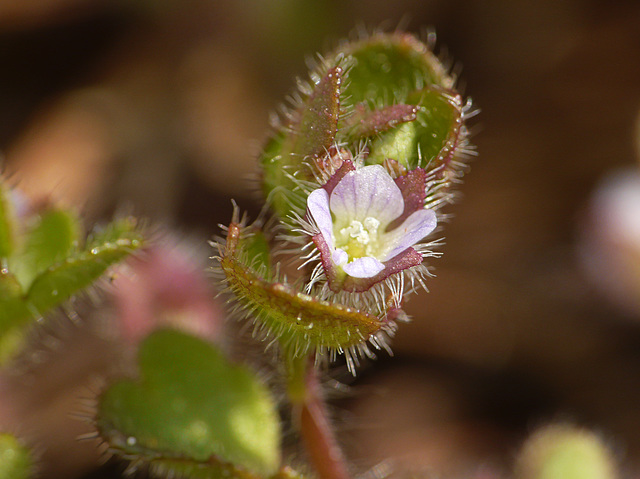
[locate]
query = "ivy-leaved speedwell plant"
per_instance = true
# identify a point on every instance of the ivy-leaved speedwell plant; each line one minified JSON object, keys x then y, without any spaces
{"x":354,"y":177}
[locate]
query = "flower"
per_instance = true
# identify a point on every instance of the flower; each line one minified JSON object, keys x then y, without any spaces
{"x":367,"y":223}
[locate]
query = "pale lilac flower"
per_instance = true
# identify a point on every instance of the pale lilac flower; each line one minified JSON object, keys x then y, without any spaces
{"x":367,"y":225}
{"x":609,"y":241}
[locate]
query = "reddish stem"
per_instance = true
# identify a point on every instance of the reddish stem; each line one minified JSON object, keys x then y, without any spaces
{"x":324,"y":451}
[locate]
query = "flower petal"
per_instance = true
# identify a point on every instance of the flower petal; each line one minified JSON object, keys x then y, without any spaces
{"x":418,"y":225}
{"x":365,"y":267}
{"x":367,"y":191}
{"x":340,"y":256}
{"x":405,"y":260}
{"x":318,"y":208}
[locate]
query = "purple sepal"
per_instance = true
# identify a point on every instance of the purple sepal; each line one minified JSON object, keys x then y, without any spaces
{"x":346,"y":167}
{"x":331,"y":270}
{"x":412,"y":186}
{"x":372,"y":122}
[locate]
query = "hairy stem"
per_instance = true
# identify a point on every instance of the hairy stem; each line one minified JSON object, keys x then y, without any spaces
{"x":311,"y":416}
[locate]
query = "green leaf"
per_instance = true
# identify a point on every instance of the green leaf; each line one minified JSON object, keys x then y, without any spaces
{"x":310,"y":133}
{"x":50,"y":240}
{"x":389,"y":72}
{"x":119,"y":230}
{"x":394,"y":96}
{"x":193,"y":412}
{"x":7,"y":224}
{"x":61,"y":270}
{"x":302,"y":320}
{"x":256,"y":247}
{"x":318,"y":122}
{"x":62,"y":280}
{"x":16,"y":461}
{"x":10,"y":297}
{"x":428,"y":142}
{"x":13,"y":315}
{"x":386,"y":68}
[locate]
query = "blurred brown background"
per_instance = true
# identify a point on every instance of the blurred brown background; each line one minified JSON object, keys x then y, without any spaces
{"x":160,"y":107}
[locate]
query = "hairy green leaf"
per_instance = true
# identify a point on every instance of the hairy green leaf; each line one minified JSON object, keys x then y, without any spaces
{"x":429,"y":141}
{"x":386,"y":68}
{"x":284,"y":311}
{"x":310,"y":133}
{"x":52,"y":269}
{"x":79,"y":271}
{"x":50,"y":240}
{"x":13,"y":314}
{"x":191,"y":411}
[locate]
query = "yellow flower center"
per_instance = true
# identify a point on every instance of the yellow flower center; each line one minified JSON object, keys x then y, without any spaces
{"x":360,"y":238}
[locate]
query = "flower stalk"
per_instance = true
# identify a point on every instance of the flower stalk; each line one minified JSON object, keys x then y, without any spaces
{"x":311,"y":418}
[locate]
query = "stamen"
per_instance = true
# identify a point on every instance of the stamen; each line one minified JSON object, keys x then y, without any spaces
{"x":360,"y":238}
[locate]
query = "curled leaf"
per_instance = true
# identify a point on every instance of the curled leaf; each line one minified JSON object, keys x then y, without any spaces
{"x":309,"y":133}
{"x":302,"y":321}
{"x":386,"y":68}
{"x":431,"y":140}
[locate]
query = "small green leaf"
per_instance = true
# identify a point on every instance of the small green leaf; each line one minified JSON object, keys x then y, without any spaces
{"x":51,"y":239}
{"x":10,"y":296}
{"x":13,"y":315}
{"x":7,"y":223}
{"x":394,"y":100}
{"x":428,"y":142}
{"x":16,"y":461}
{"x":79,"y":271}
{"x":386,"y":68}
{"x":11,"y":342}
{"x":256,"y":247}
{"x":304,"y":321}
{"x":319,"y":117}
{"x":121,"y":229}
{"x":310,"y":133}
{"x":61,"y":271}
{"x":191,"y":411}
